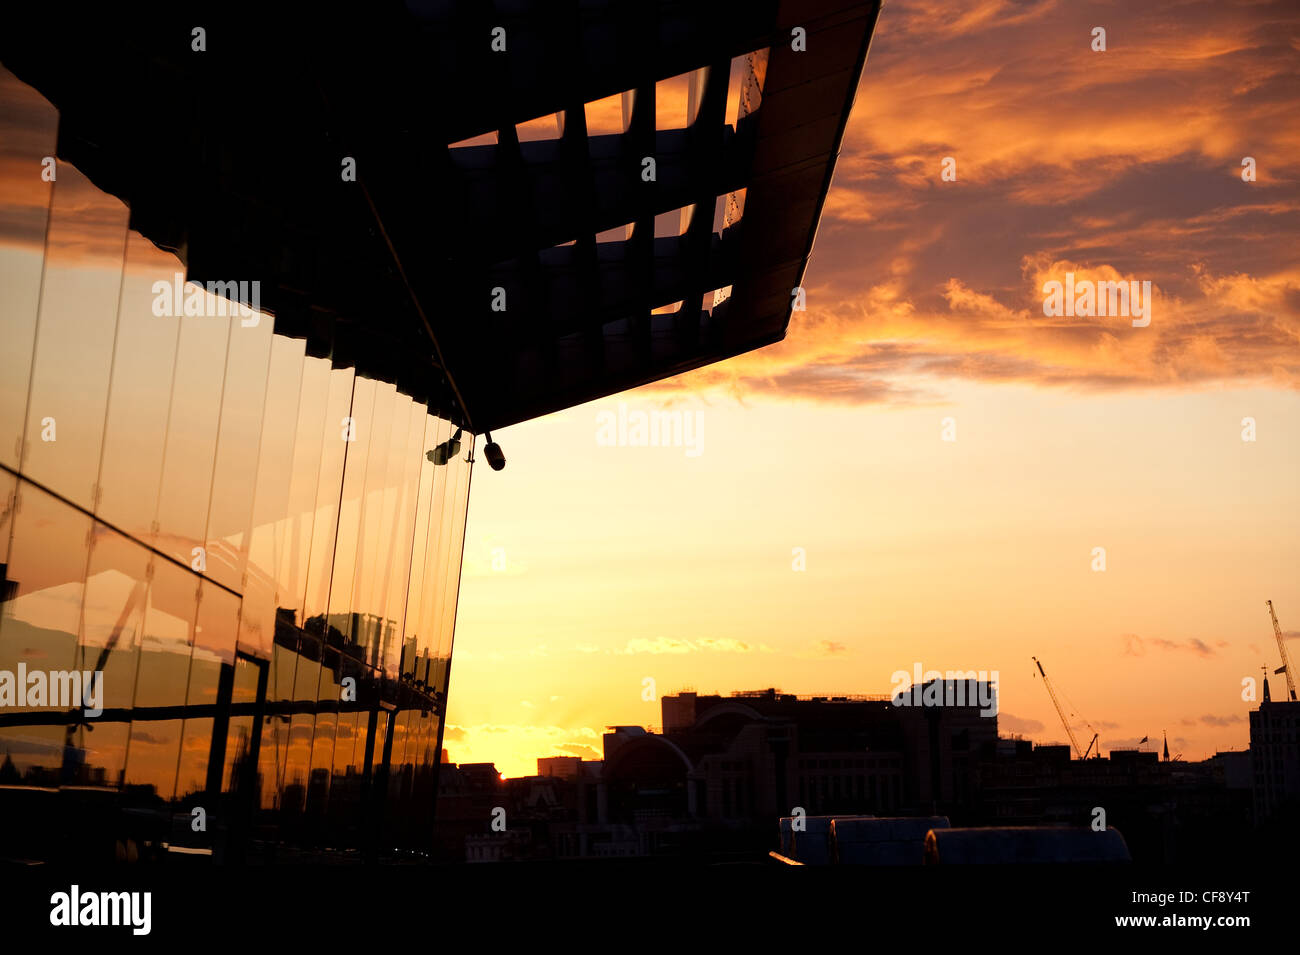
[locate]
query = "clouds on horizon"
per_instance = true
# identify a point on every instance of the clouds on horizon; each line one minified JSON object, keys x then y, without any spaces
{"x":1136,"y":646}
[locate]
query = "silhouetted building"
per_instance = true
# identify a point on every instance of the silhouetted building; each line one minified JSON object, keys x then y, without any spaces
{"x":710,"y":787}
{"x":726,"y":767}
{"x":240,"y":386}
{"x":756,"y":755}
{"x":467,"y":795}
{"x":1236,"y":767}
{"x":1275,"y":757}
{"x":1168,"y":812}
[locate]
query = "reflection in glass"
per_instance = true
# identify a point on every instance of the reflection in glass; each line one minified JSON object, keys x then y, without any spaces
{"x":112,"y":618}
{"x":304,"y":480}
{"x":192,"y":770}
{"x":258,"y":625}
{"x":415,"y":633}
{"x":275,"y":724}
{"x":237,"y":535}
{"x":238,"y":775}
{"x":243,"y":399}
{"x":323,"y":737}
{"x":370,"y":629}
{"x":214,"y":648}
{"x":46,"y":571}
{"x":426,"y":624}
{"x":404,"y":534}
{"x":358,"y":433}
{"x":28,"y":130}
{"x":151,"y":761}
{"x":168,"y":636}
{"x":344,"y":806}
{"x":144,"y":357}
{"x":301,"y":726}
{"x":391,"y":541}
{"x":448,"y":561}
{"x":41,"y":601}
{"x":85,"y":247}
{"x":334,"y":447}
{"x":192,"y":435}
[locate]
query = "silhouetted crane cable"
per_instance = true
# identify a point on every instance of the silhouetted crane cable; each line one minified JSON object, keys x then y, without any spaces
{"x":1281,"y":649}
{"x":1084,"y":719}
{"x":1051,"y":692}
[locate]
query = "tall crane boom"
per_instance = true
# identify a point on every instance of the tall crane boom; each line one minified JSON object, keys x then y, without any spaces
{"x":1060,"y":712}
{"x":1281,"y":648}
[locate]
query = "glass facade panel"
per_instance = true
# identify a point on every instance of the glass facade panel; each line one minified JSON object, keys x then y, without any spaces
{"x":151,"y":759}
{"x":238,"y":775}
{"x":28,"y":130}
{"x":325,"y":518}
{"x":214,"y":650}
{"x":324,"y":736}
{"x":243,"y":406}
{"x":45,"y":578}
{"x":144,"y":358}
{"x":448,"y":560}
{"x":247,"y":547}
{"x":416,"y":632}
{"x":358,"y":440}
{"x":371,"y":631}
{"x":260,"y":623}
{"x":192,"y":770}
{"x":153,"y":749}
{"x":301,"y":726}
{"x":401,"y":659}
{"x":191,"y":442}
{"x":428,"y":622}
{"x":85,"y":247}
{"x":346,"y":744}
{"x":393,"y":548}
{"x":399,"y":781}
{"x":274,"y":742}
{"x":117,"y":585}
{"x":304,"y":487}
{"x":46,"y":573}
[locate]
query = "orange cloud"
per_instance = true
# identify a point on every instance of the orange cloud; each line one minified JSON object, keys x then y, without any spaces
{"x":1117,"y":164}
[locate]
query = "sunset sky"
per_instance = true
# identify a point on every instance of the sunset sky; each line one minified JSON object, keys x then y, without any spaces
{"x":589,"y":567}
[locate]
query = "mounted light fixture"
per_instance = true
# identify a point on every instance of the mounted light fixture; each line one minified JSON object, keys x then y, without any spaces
{"x":496,"y":458}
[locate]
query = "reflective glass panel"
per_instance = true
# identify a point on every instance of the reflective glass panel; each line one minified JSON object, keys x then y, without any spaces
{"x":28,"y":130}
{"x":192,"y":432}
{"x":260,"y":621}
{"x":243,"y":400}
{"x":162,"y":677}
{"x":85,"y":248}
{"x":117,"y":585}
{"x":334,"y":447}
{"x":358,"y":433}
{"x":139,"y":397}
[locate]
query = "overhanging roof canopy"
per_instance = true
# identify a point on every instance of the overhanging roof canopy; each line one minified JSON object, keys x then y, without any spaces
{"x":233,"y":157}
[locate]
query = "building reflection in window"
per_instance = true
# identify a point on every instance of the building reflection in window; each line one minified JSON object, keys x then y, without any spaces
{"x":247,"y":542}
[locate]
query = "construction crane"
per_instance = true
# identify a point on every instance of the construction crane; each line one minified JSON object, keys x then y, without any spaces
{"x":1281,"y":648}
{"x":1065,"y":722}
